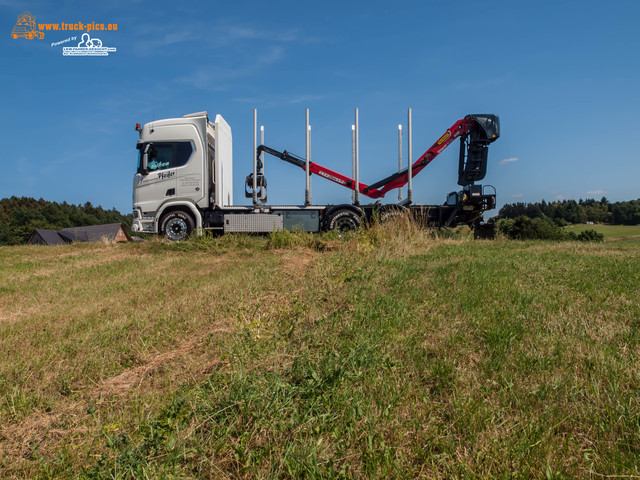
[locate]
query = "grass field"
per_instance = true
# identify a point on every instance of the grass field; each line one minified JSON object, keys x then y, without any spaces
{"x":382,"y":354}
{"x":610,"y":232}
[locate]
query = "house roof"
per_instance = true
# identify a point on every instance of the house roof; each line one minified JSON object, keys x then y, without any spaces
{"x":91,"y":233}
{"x":50,"y":237}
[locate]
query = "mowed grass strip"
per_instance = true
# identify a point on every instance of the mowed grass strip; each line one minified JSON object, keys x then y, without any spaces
{"x":390,"y":354}
{"x":610,"y":232}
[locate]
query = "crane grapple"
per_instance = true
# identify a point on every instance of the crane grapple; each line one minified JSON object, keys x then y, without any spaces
{"x":474,"y":147}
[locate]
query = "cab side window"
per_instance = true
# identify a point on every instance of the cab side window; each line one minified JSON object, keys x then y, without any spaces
{"x":165,"y":155}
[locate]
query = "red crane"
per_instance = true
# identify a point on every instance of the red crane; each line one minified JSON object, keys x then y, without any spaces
{"x":476,"y":132}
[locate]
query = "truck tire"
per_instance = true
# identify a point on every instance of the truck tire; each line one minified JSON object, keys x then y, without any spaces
{"x":343,"y":220}
{"x":485,"y":231}
{"x":176,"y":226}
{"x":391,"y":212}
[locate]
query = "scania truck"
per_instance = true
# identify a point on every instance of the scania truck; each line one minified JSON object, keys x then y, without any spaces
{"x":184,"y":181}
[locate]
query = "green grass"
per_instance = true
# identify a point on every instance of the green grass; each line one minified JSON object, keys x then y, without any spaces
{"x":380,"y":354}
{"x":609,"y":231}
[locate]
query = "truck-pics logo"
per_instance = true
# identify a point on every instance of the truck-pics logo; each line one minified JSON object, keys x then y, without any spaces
{"x":88,"y":47}
{"x":25,"y":27}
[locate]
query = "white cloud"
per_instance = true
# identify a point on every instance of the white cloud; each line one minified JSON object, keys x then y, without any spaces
{"x":517,"y":195}
{"x":509,"y":160}
{"x":596,"y":192}
{"x":232,"y":33}
{"x":223,"y":35}
{"x":283,"y":99}
{"x":218,"y":77}
{"x":562,"y":197}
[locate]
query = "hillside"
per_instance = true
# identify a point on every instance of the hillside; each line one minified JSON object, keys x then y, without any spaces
{"x":382,"y":354}
{"x":20,"y":216}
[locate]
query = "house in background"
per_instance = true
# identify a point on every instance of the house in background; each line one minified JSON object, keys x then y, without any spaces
{"x":112,"y":232}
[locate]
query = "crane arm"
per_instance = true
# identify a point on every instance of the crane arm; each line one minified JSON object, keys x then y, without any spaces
{"x":318,"y":170}
{"x":476,"y":132}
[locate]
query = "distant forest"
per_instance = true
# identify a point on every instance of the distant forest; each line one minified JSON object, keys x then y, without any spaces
{"x":19,"y":217}
{"x":583,"y":211}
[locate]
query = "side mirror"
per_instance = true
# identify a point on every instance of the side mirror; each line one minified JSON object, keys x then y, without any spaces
{"x":145,"y":159}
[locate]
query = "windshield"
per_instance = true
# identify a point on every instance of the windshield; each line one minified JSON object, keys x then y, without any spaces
{"x":164,"y":155}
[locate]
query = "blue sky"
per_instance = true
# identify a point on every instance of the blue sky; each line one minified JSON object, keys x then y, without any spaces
{"x":564,"y":77}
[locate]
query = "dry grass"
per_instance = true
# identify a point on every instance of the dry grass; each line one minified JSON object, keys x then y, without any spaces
{"x":81,"y":325}
{"x":385,"y":353}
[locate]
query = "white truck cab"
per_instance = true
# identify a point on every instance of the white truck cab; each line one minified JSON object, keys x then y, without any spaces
{"x":184,"y":167}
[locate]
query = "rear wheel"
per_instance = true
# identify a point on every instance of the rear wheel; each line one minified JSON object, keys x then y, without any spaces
{"x":391,"y":212}
{"x":485,"y":231}
{"x":343,"y":220}
{"x":176,"y":226}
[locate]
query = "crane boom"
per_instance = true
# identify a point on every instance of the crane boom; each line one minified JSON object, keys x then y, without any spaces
{"x":476,"y":132}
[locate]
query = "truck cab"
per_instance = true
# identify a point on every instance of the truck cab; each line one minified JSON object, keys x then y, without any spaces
{"x":184,"y":167}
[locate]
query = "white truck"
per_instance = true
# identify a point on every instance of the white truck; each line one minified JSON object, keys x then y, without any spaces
{"x":184,"y":183}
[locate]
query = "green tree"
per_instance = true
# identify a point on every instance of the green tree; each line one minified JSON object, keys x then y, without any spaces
{"x":20,"y":216}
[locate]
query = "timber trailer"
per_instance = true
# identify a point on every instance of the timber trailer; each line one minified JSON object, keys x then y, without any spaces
{"x":185,"y":173}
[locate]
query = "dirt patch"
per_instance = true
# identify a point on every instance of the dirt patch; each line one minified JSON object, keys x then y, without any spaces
{"x":296,"y":263}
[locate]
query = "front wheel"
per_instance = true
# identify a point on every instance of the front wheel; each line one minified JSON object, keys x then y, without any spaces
{"x":343,"y":220}
{"x":177,"y":226}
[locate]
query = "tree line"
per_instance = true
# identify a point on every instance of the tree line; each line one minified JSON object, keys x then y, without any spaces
{"x":583,"y":211}
{"x":20,"y":216}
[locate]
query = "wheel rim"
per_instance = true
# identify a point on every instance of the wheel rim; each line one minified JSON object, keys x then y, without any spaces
{"x":346,"y":224}
{"x":176,"y":229}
